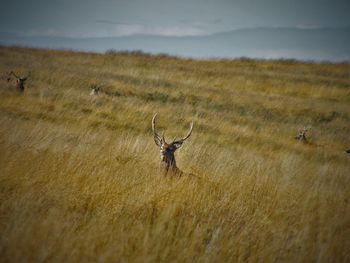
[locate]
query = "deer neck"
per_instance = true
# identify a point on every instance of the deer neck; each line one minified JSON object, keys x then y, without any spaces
{"x":168,"y":164}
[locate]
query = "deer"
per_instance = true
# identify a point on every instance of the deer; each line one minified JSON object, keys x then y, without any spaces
{"x":95,"y":90}
{"x":301,"y":135}
{"x":19,"y":81}
{"x":167,"y":150}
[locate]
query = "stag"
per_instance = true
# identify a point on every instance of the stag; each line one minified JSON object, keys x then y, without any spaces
{"x":167,"y":150}
{"x":20,"y":81}
{"x":301,"y":135}
{"x":95,"y":90}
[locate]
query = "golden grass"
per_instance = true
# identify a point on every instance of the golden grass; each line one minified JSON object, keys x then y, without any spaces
{"x":79,"y":177}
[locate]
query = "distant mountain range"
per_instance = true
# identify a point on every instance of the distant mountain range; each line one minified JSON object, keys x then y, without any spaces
{"x":319,"y":44}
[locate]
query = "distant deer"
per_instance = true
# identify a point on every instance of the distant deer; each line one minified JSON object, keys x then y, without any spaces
{"x":167,"y":150}
{"x":301,"y":135}
{"x":95,"y":90}
{"x":19,"y":81}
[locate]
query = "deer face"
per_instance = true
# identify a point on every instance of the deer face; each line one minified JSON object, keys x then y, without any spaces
{"x":19,"y":81}
{"x":20,"y":84}
{"x":94,"y":90}
{"x":167,"y":150}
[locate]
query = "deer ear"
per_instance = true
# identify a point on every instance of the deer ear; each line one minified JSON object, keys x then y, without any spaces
{"x":177,"y":144}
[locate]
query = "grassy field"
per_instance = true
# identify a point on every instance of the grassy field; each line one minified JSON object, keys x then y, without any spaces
{"x":79,"y":179}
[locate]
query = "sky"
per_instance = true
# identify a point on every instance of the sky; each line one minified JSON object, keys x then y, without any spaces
{"x":107,"y":18}
{"x":44,"y":23}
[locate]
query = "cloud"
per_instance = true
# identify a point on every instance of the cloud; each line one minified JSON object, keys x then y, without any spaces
{"x":109,"y":28}
{"x":184,"y":28}
{"x":204,"y":22}
{"x":308,"y":26}
{"x":121,"y":30}
{"x":106,"y":21}
{"x":43,"y":32}
{"x":217,"y":21}
{"x":176,"y":31}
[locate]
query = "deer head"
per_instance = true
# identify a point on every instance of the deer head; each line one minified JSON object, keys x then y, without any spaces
{"x":19,"y":81}
{"x":94,"y":90}
{"x":167,"y":150}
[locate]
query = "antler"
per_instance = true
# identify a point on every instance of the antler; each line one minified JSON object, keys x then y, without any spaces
{"x":12,"y":73}
{"x":17,"y":77}
{"x":186,"y":137}
{"x":158,"y":140}
{"x":26,"y":77}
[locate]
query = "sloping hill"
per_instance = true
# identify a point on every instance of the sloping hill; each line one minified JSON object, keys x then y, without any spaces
{"x":79,"y":174}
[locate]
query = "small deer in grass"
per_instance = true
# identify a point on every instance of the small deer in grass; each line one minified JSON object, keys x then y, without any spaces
{"x":302,"y":134}
{"x":167,"y":150}
{"x":95,"y":90}
{"x":19,"y":81}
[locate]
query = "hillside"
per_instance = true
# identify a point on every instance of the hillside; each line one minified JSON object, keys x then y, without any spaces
{"x":79,"y":178}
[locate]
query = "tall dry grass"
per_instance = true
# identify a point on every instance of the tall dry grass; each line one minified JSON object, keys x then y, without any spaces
{"x":79,"y":174}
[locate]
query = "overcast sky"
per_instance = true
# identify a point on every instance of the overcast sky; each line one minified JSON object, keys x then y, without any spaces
{"x":108,"y":18}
